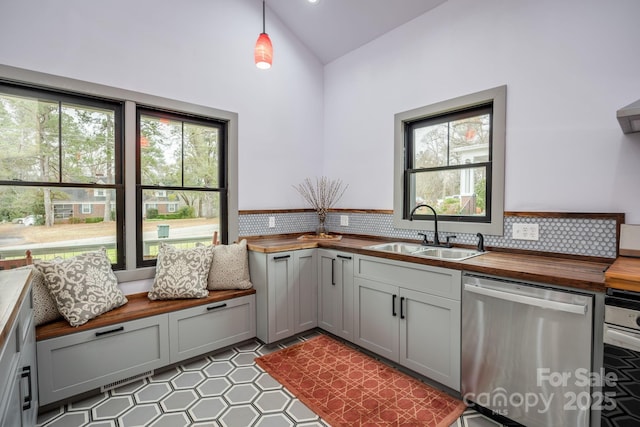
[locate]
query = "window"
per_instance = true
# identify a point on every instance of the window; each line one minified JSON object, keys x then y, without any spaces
{"x":86,"y":209}
{"x":62,"y":149}
{"x":58,"y":150}
{"x":181,"y":173}
{"x":450,"y":156}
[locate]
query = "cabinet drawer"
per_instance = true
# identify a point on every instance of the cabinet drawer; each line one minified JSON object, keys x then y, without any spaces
{"x":206,"y":328}
{"x":9,"y":359}
{"x":438,"y":281}
{"x":84,"y":361}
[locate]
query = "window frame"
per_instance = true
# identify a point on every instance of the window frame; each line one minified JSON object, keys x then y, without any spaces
{"x":412,"y":170}
{"x":130,"y":99}
{"x":222,"y":188}
{"x":62,"y":96}
{"x":494,"y":223}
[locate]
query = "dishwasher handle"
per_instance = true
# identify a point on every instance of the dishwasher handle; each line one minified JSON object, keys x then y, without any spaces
{"x":524,"y":299}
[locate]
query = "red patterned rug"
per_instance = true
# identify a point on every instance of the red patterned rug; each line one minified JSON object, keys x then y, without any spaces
{"x":348,"y":388}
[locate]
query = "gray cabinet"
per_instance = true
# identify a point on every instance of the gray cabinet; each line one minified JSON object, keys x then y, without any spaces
{"x":410,"y":314}
{"x":83,"y":361}
{"x":18,"y":369}
{"x":286,"y":292}
{"x":305,"y":290}
{"x":206,"y":328}
{"x":376,"y":321}
{"x":335,"y":292}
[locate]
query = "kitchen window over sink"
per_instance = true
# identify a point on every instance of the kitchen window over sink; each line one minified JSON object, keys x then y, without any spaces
{"x":450,"y":156}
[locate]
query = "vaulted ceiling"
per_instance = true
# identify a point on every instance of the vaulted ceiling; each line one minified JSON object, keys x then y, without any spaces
{"x":331,"y":28}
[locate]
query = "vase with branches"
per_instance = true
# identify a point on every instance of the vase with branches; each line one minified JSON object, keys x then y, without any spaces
{"x":322,"y":194}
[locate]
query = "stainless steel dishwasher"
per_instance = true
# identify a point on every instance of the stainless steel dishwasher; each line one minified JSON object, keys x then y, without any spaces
{"x":526,"y":352}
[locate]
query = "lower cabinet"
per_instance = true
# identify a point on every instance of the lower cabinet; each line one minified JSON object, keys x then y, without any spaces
{"x":83,"y":361}
{"x":18,"y":368}
{"x":286,"y":292}
{"x":206,"y":328}
{"x":335,"y":292}
{"x":410,"y":314}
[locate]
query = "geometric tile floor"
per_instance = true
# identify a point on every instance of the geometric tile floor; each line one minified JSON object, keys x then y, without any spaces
{"x":221,"y":389}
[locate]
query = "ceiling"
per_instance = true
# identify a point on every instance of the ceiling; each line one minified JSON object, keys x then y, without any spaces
{"x":331,"y":28}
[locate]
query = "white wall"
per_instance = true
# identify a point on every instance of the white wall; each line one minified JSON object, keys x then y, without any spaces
{"x":199,"y":51}
{"x":568,"y":66}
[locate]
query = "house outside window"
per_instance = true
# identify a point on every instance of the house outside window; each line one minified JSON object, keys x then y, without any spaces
{"x":450,"y":156}
{"x":52,"y":146}
{"x":84,"y":151}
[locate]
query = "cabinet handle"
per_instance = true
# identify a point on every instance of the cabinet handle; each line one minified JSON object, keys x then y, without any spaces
{"x":393,"y":305}
{"x":110,"y":331}
{"x":215,"y":307}
{"x":278,"y":258}
{"x":401,"y":309}
{"x":344,"y":257}
{"x":26,"y":373}
{"x":333,"y":273}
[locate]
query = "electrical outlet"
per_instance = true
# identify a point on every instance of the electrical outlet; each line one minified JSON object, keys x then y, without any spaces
{"x":344,"y":220}
{"x":272,"y":221}
{"x":523,"y":231}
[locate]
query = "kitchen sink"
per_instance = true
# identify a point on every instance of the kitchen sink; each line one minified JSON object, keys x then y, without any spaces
{"x":397,"y":247}
{"x":451,"y":254}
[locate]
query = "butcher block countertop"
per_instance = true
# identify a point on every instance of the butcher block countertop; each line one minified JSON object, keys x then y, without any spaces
{"x":561,"y":271}
{"x":624,"y":274}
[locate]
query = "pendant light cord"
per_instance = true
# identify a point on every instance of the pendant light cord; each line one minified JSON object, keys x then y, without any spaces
{"x":263,"y":9}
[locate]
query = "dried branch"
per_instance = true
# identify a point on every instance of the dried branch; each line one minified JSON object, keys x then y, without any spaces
{"x":322,"y":194}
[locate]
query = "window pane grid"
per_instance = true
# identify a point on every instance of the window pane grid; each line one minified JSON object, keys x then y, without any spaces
{"x":60,"y":174}
{"x":448,"y":164}
{"x":181,"y":186}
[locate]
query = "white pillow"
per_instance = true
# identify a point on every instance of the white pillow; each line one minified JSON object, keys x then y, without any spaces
{"x":230,"y":267}
{"x":181,"y":273}
{"x":83,"y":287}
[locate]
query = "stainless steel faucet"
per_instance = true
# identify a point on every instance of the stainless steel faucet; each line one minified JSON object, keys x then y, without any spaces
{"x":436,"y":238}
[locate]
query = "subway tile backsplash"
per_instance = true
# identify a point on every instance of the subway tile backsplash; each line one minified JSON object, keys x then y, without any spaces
{"x":574,"y":236}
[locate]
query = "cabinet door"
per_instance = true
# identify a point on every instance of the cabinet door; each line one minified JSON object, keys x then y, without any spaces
{"x":28,"y":376}
{"x":430,"y":336}
{"x":344,"y":280}
{"x":281,"y":299}
{"x":329,"y":296}
{"x":335,"y":293}
{"x":376,"y":317}
{"x":11,"y":405}
{"x":305,"y":290}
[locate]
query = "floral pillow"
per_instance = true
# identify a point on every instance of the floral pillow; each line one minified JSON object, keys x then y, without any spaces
{"x":230,"y":267}
{"x":83,"y":287}
{"x":45,"y":309}
{"x":181,"y":273}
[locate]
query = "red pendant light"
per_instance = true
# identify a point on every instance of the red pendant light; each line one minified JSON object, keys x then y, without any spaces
{"x":263,"y":53}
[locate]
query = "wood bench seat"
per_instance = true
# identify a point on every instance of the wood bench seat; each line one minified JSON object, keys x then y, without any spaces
{"x":139,"y":306}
